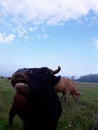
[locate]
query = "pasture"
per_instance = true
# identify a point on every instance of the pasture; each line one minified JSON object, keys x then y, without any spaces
{"x":75,"y":116}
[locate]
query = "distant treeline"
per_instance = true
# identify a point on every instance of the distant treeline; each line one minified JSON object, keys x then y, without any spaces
{"x":88,"y":78}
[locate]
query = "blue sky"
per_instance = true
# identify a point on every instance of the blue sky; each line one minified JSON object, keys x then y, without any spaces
{"x":37,"y":33}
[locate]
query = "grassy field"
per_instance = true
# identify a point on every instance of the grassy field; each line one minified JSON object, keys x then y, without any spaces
{"x":75,"y":116}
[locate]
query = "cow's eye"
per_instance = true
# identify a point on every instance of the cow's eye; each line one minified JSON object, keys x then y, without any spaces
{"x":47,"y":73}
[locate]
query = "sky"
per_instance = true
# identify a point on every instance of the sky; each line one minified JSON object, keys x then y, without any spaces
{"x":49,"y":33}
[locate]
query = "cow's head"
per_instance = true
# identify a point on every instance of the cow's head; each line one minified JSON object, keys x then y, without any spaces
{"x":30,"y":80}
{"x":75,"y":95}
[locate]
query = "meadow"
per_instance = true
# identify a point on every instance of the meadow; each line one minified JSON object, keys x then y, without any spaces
{"x":75,"y":115}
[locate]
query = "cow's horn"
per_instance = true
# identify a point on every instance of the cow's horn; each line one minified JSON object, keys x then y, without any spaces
{"x":57,"y":70}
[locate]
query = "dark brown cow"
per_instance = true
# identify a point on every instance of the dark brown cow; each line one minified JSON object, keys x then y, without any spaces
{"x":36,"y":101}
{"x":9,"y":78}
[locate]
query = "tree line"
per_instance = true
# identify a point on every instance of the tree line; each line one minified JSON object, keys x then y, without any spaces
{"x":88,"y":78}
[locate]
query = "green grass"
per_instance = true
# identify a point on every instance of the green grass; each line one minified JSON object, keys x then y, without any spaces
{"x":75,"y":115}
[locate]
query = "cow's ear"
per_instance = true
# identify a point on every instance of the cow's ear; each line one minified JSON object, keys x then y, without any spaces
{"x":55,"y":80}
{"x":58,"y":78}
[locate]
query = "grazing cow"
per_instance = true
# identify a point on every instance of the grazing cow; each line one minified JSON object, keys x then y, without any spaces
{"x":9,"y":78}
{"x":67,"y":87}
{"x":36,"y":101}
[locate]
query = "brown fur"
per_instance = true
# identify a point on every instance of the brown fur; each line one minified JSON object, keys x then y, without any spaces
{"x":67,"y":87}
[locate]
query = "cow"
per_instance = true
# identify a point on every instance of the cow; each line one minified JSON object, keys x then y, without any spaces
{"x":36,"y":101}
{"x":67,"y":87}
{"x":9,"y":78}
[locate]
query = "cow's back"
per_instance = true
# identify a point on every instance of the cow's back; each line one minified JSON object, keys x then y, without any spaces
{"x":62,"y":85}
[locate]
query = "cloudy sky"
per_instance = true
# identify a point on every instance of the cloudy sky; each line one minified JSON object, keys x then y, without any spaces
{"x":36,"y":33}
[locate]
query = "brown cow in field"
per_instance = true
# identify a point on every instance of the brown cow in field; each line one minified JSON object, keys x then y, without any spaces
{"x":67,"y":87}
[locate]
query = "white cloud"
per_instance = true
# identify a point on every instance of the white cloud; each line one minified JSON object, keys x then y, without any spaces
{"x":23,"y":16}
{"x":6,"y":39}
{"x":42,"y":36}
{"x":51,"y":57}
{"x":49,"y":11}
